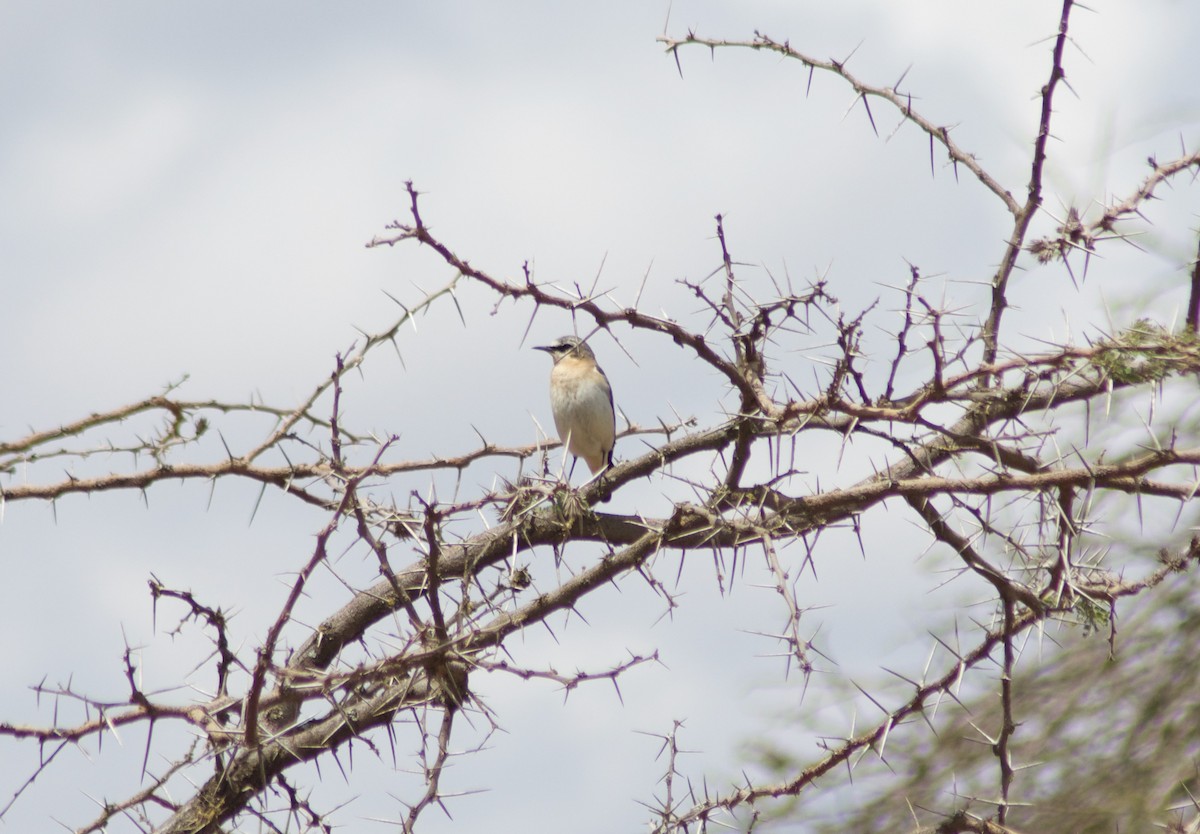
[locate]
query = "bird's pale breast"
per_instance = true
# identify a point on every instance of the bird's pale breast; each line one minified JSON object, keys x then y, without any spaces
{"x":581,"y":400}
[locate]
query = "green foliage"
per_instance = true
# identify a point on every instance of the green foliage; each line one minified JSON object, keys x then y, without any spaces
{"x":1094,"y":616}
{"x":1146,"y":352}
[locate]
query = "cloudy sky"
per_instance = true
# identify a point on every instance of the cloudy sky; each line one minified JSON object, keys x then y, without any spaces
{"x":187,"y":190}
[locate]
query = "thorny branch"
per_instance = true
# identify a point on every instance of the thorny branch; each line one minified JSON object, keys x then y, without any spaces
{"x":925,"y":695}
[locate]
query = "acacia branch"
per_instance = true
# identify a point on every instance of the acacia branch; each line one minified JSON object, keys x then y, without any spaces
{"x":901,"y":101}
{"x":1033,"y":201}
{"x":925,"y":693}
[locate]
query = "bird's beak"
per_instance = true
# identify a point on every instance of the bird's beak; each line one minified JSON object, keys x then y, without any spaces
{"x":546,"y":348}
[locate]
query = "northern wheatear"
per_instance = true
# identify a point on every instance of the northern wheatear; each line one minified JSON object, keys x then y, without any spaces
{"x":582,"y":402}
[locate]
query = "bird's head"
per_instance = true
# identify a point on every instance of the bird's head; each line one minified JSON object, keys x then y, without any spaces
{"x":566,"y":346}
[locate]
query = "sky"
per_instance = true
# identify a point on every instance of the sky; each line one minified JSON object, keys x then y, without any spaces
{"x":187,"y":191}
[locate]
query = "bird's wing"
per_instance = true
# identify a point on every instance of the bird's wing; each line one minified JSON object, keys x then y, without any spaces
{"x":612,"y":412}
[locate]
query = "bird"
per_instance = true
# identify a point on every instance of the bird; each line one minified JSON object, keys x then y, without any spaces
{"x":582,"y":402}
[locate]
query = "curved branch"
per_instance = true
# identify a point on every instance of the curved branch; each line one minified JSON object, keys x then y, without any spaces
{"x":901,"y":101}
